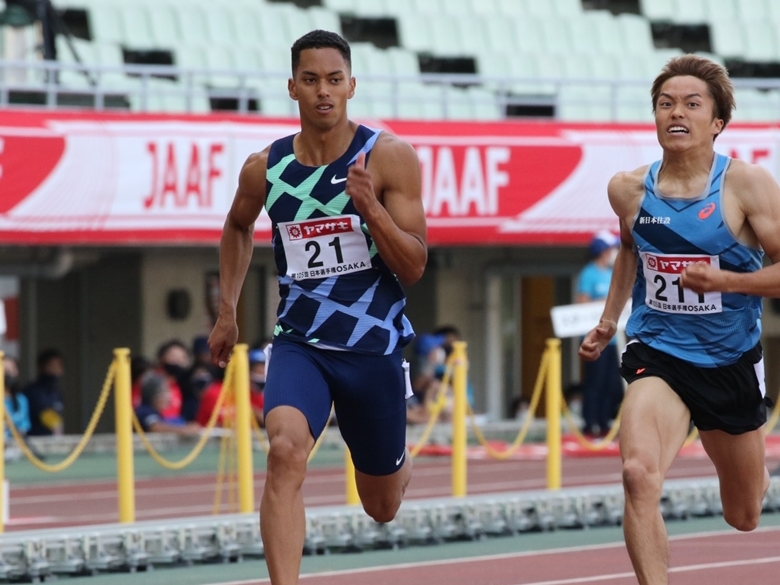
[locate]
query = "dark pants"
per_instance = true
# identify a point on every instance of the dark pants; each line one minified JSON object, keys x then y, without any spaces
{"x":602,"y":391}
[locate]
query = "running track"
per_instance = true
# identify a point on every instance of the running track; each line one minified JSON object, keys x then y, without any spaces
{"x":721,"y":558}
{"x":95,"y":502}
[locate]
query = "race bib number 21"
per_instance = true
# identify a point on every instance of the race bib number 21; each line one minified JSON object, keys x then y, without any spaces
{"x":664,"y":291}
{"x":318,"y":248}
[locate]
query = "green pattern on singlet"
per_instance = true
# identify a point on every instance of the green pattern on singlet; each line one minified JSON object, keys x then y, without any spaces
{"x":302,"y":192}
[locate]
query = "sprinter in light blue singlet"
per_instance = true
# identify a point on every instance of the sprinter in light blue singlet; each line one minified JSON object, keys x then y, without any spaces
{"x":349,"y":230}
{"x":694,"y":228}
{"x":705,"y":329}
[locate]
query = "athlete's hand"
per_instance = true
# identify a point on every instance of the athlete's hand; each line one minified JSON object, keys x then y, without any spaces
{"x":597,"y":339}
{"x":222,"y":340}
{"x":701,"y":277}
{"x":360,"y":185}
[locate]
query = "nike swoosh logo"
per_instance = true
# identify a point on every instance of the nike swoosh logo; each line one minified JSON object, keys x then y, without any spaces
{"x":335,"y":181}
{"x":401,"y":458}
{"x":640,"y":370}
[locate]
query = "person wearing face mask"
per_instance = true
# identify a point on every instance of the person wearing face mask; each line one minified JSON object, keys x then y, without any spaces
{"x":602,"y":388}
{"x":173,"y":359}
{"x":45,"y":395}
{"x":208,"y":400}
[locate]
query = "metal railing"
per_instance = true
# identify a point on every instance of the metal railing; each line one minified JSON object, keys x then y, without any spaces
{"x":143,"y":88}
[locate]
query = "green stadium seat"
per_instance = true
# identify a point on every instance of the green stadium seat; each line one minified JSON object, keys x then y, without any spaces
{"x":761,"y":40}
{"x":500,"y":33}
{"x":754,"y":9}
{"x":136,"y":26}
{"x":691,"y":12}
{"x":324,"y":19}
{"x":727,"y":38}
{"x":403,"y":62}
{"x":658,"y":10}
{"x":754,"y":105}
{"x":722,"y":9}
{"x":105,"y":23}
{"x":637,"y":36}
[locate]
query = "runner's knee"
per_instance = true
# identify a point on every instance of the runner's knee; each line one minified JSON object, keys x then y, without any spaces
{"x":640,"y":480}
{"x":382,"y":508}
{"x":286,"y":459}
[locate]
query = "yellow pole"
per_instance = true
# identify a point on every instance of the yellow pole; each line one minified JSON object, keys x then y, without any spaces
{"x":3,"y":503}
{"x":459,"y":408}
{"x":123,"y":405}
{"x":349,"y":473}
{"x":246,"y":481}
{"x":553,"y":411}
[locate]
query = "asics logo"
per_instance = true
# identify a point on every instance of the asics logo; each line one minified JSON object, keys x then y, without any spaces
{"x":707,"y":211}
{"x":335,"y":181}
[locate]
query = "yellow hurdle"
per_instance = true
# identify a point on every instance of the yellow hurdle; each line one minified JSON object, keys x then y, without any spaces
{"x":353,"y":497}
{"x":246,"y":482}
{"x":123,"y":411}
{"x":459,"y":410}
{"x":553,"y":413}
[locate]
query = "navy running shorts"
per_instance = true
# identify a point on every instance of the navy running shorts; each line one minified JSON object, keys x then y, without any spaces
{"x":368,"y":393}
{"x":729,"y":398}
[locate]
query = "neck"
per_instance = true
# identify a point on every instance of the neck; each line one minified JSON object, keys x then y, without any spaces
{"x":317,"y":147}
{"x":686,"y":164}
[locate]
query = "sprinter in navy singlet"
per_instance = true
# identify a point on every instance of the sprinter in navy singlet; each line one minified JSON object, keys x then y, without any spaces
{"x":694,"y":228}
{"x":348,"y":230}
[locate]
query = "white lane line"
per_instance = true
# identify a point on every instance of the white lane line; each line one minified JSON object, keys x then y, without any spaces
{"x":552,"y":551}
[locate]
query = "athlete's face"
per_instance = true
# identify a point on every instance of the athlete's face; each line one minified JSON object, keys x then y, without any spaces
{"x":685,"y":114}
{"x":322,"y":85}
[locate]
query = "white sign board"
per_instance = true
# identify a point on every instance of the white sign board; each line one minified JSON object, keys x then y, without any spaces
{"x":576,"y":320}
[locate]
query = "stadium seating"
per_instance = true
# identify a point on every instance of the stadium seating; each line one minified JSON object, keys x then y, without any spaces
{"x":580,"y":59}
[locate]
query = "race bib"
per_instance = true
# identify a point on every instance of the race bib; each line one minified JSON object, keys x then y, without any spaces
{"x":318,"y":248}
{"x":663,"y":290}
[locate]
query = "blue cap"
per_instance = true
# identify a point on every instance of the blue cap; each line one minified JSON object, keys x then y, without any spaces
{"x":604,"y":240}
{"x":428,"y":342}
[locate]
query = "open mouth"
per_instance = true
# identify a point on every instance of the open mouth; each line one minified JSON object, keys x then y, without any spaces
{"x":677,"y":130}
{"x":324,"y":108}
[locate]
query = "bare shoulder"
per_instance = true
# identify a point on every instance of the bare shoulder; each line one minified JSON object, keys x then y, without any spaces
{"x":748,"y":178}
{"x":253,"y":172}
{"x":625,"y":190}
{"x":390,"y":150}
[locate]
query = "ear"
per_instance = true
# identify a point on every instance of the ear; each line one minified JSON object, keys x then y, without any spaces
{"x":352,"y":84}
{"x":717,"y":125}
{"x":291,"y":89}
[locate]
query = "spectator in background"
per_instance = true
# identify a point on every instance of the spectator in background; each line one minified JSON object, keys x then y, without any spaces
{"x":16,"y":404}
{"x":173,"y":359}
{"x":602,"y":388}
{"x":45,"y":395}
{"x":198,"y":379}
{"x":155,"y":401}
{"x":256,"y":386}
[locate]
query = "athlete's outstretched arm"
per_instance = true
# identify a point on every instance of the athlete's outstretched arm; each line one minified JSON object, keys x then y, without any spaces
{"x":397,"y":221}
{"x":235,"y":253}
{"x":759,"y":199}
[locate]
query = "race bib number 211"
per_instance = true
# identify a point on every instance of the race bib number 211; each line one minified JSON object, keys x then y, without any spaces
{"x":664,"y":291}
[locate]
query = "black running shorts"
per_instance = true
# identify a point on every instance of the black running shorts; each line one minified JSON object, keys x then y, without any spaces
{"x":728,"y":398}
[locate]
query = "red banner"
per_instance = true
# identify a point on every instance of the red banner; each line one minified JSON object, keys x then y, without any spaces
{"x":92,"y":178}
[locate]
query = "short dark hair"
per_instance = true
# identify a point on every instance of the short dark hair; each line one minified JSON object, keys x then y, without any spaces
{"x":713,"y":74}
{"x":46,"y":356}
{"x":163,"y":349}
{"x":320,"y":39}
